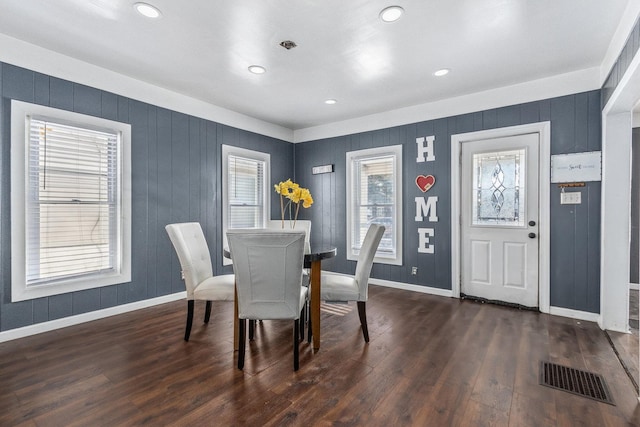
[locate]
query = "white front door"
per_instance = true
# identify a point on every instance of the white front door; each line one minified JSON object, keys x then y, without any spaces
{"x":499,"y":219}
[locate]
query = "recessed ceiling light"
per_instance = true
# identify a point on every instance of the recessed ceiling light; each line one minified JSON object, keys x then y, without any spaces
{"x":330,"y":101}
{"x":257,"y":69}
{"x":147,"y":10}
{"x":442,"y":72}
{"x":391,"y":13}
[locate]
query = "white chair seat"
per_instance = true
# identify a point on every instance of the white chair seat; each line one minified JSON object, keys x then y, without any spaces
{"x":216,"y":288}
{"x":197,"y":272}
{"x":347,"y":288}
{"x":338,"y":288}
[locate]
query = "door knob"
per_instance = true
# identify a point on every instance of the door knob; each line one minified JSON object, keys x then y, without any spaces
{"x":532,"y":223}
{"x":532,"y":235}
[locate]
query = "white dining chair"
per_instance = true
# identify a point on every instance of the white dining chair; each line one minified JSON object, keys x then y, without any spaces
{"x":195,"y":261}
{"x":301,"y":224}
{"x":347,"y":288}
{"x":268,"y":269}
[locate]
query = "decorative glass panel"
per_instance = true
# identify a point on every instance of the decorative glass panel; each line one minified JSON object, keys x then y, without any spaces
{"x":498,"y":188}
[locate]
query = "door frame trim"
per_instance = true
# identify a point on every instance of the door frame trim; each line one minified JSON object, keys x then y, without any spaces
{"x":543,"y":129}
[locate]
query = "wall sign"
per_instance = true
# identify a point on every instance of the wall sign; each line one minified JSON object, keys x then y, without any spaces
{"x":576,"y":167}
{"x":426,"y":207}
{"x":424,"y":183}
{"x":322,"y":169}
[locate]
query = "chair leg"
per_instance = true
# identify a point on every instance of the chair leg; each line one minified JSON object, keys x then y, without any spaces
{"x":309,"y":333}
{"x":242,"y":325}
{"x":187,"y":331}
{"x":302,"y":321}
{"x":362,"y":312}
{"x":207,"y":312}
{"x":252,"y":329}
{"x":296,"y":343}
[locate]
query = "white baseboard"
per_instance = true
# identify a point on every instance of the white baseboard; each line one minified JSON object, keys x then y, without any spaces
{"x":120,"y":309}
{"x":87,"y":317}
{"x":415,"y":288}
{"x":575,"y":314}
{"x":406,"y":286}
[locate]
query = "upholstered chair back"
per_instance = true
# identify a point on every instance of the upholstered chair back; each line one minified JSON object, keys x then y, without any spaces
{"x":193,"y":253}
{"x":365,"y":259}
{"x":268,"y":268}
{"x":301,"y":224}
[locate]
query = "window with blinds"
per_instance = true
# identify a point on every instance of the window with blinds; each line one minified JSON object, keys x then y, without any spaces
{"x":246,"y":192}
{"x":72,"y":207}
{"x":70,"y":201}
{"x":374,"y":194}
{"x":245,"y":189}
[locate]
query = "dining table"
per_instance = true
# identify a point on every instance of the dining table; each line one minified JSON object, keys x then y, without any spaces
{"x":313,"y":261}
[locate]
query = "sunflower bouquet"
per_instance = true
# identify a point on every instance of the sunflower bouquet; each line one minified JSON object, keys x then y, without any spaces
{"x":295,"y":195}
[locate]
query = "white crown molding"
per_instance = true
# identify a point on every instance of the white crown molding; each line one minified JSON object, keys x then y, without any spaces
{"x":30,"y":56}
{"x":36,"y":58}
{"x":535,"y":90}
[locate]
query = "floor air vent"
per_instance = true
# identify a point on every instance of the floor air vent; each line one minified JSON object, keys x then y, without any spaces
{"x":582,"y":383}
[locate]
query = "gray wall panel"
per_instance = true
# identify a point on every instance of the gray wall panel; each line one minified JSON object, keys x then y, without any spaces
{"x":623,"y":61}
{"x":18,"y":314}
{"x":40,"y":310}
{"x":109,"y":105}
{"x":41,"y":89}
{"x":575,"y":127}
{"x":85,"y":301}
{"x":87,"y":100}
{"x":139,"y":190}
{"x":17,"y":84}
{"x":60,"y":306}
{"x":176,"y":176}
{"x":61,"y":95}
{"x":108,"y":296}
{"x":154,"y":230}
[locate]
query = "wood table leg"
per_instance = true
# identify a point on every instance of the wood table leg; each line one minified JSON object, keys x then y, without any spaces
{"x":315,"y":303}
{"x":236,"y":331}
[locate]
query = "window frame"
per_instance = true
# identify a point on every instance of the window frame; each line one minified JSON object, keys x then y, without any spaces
{"x":394,"y":151}
{"x":121,"y":273}
{"x":259,"y":156}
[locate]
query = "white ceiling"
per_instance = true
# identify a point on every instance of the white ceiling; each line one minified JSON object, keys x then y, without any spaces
{"x":202,"y":48}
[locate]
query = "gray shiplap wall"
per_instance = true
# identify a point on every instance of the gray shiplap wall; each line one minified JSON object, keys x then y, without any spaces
{"x":622,"y":63}
{"x":176,"y":176}
{"x":575,"y":229}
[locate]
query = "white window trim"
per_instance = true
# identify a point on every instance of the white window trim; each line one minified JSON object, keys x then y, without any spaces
{"x":396,"y":151}
{"x":19,"y":289}
{"x":229,"y":150}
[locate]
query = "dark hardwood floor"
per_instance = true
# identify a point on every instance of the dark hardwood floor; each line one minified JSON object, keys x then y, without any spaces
{"x":432,"y":361}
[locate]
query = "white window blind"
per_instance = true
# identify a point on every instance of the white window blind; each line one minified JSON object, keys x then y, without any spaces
{"x":245,"y":192}
{"x":374,"y":195}
{"x":72,"y":204}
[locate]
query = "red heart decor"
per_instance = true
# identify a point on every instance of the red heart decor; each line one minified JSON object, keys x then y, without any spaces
{"x":424,"y":183}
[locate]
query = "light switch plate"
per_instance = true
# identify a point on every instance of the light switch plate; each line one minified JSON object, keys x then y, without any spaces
{"x":571,"y":198}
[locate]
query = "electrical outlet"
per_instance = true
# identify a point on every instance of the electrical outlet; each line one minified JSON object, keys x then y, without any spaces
{"x":414,"y":271}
